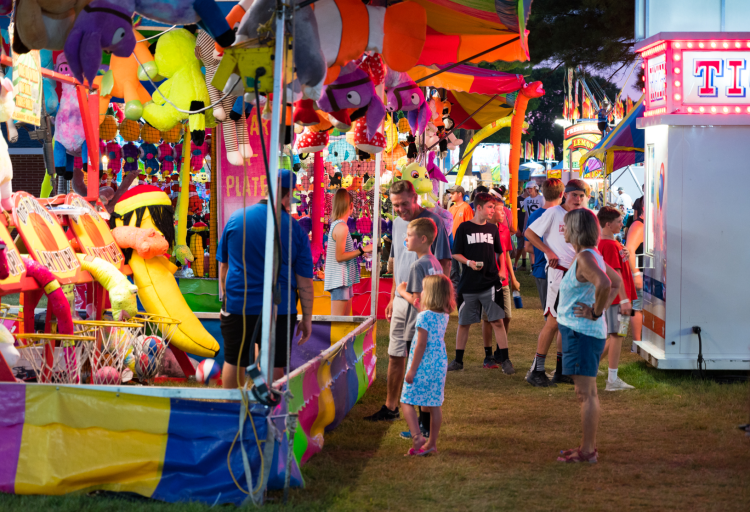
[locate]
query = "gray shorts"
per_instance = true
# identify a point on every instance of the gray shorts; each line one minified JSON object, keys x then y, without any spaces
{"x":342,"y":293}
{"x":403,"y":323}
{"x":541,"y":288}
{"x":638,"y":302}
{"x":470,"y":306}
{"x":612,"y":319}
{"x":506,"y":304}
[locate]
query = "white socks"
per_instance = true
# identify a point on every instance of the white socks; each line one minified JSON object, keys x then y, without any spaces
{"x":612,"y":374}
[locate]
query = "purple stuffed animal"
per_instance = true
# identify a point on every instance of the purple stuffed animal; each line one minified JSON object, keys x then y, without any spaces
{"x":354,"y":89}
{"x":106,"y":25}
{"x":402,"y":93}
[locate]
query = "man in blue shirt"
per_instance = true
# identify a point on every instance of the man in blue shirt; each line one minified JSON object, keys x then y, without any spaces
{"x":241,"y":283}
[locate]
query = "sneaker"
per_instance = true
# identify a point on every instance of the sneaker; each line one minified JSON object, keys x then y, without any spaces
{"x":559,"y":378}
{"x":600,"y":373}
{"x":407,"y":435}
{"x":455,"y":365}
{"x":508,"y":367}
{"x":490,"y":363}
{"x":539,"y":379}
{"x":384,"y":414}
{"x":617,"y":385}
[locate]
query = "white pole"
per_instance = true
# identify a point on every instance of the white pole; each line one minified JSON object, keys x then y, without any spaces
{"x":267,"y":346}
{"x":375,"y":274}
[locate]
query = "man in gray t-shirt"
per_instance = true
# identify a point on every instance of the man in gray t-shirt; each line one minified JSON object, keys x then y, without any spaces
{"x":404,"y":201}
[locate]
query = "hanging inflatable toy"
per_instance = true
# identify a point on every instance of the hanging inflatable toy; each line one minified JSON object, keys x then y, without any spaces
{"x":402,"y":93}
{"x":70,"y":140}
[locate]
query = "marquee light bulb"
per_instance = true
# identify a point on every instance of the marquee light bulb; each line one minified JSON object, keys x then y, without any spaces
{"x":725,"y":45}
{"x":713,"y":109}
{"x":736,"y":45}
{"x":702,"y":109}
{"x":700,"y":45}
{"x":713,"y":44}
{"x":677,"y":97}
{"x":690,"y":45}
{"x":736,"y":109}
{"x":725,"y":109}
{"x":690,"y":109}
{"x":677,"y":45}
{"x":677,"y":71}
{"x":677,"y":56}
{"x":677,"y":83}
{"x":748,"y":109}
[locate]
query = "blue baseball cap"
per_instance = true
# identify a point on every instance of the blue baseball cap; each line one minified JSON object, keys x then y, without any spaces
{"x":288,"y":177}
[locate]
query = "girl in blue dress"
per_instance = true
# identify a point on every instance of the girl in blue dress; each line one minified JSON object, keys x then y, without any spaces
{"x":428,"y":362}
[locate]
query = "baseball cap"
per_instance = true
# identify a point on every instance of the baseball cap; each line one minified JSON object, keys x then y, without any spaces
{"x":457,"y":189}
{"x":288,"y":177}
{"x":532,"y":184}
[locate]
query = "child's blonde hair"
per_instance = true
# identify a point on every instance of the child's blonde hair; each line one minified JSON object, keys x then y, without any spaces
{"x":340,"y":204}
{"x":437,"y":294}
{"x":424,"y":227}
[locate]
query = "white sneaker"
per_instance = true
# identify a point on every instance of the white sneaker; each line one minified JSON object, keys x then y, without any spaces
{"x":617,"y":385}
{"x":600,"y":373}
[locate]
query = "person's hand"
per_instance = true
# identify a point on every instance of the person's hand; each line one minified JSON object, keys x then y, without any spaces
{"x":516,"y":285}
{"x":552,"y":258}
{"x":304,"y":328}
{"x":582,"y":310}
{"x":367,"y":249}
{"x":389,"y":311}
{"x":626,"y":308}
{"x":409,"y":378}
{"x":625,"y":253}
{"x":472,"y":265}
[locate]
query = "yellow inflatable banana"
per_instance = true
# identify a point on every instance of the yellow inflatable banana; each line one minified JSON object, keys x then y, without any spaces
{"x":146,"y":206}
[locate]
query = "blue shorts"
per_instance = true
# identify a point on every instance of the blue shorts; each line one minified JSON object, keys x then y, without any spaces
{"x":638,"y":303}
{"x":581,"y":353}
{"x":342,"y":293}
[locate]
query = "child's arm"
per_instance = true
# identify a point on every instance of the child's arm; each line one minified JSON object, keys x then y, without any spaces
{"x":514,"y":284}
{"x":419,"y":349}
{"x":409,"y":297}
{"x":625,"y":306}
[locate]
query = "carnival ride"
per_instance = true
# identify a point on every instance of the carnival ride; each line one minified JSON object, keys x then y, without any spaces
{"x":184,"y":443}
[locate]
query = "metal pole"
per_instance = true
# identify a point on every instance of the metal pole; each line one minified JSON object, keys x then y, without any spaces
{"x":267,"y":347}
{"x":375,"y":273}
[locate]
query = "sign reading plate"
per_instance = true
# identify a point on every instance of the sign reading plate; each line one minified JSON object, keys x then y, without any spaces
{"x":44,"y":237}
{"x":92,"y":232}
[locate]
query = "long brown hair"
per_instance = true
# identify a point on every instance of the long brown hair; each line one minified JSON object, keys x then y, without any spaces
{"x":341,"y":202}
{"x":437,"y":294}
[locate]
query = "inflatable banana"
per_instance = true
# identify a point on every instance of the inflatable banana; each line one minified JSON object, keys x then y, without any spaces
{"x":148,"y":207}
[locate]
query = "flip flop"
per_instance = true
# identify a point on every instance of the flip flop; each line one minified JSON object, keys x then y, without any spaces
{"x":579,"y":456}
{"x":427,"y":453}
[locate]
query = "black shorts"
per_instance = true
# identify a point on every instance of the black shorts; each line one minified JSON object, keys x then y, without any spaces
{"x":603,"y":126}
{"x":231,"y":330}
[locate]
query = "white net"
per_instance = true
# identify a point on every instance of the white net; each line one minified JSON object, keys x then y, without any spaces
{"x":56,"y":358}
{"x":112,"y":360}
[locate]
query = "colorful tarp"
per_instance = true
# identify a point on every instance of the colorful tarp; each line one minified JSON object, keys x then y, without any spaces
{"x":457,"y":30}
{"x":59,"y":440}
{"x":464,"y":104}
{"x":623,"y":145}
{"x":464,"y":78}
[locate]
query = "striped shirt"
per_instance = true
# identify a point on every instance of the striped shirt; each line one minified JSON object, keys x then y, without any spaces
{"x":338,"y":274}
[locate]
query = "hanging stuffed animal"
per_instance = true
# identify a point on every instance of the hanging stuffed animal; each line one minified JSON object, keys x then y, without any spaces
{"x":198,"y":154}
{"x":234,"y":130}
{"x":107,"y":26}
{"x":165,"y":154}
{"x":419,"y":177}
{"x":70,"y":140}
{"x":43,"y":24}
{"x":7,"y":106}
{"x":402,"y":93}
{"x":129,"y":131}
{"x":185,"y":85}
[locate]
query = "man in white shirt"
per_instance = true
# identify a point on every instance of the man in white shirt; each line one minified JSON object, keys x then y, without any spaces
{"x":560,"y":255}
{"x":623,"y":201}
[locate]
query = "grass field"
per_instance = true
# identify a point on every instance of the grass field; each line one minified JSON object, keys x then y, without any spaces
{"x":671,"y":444}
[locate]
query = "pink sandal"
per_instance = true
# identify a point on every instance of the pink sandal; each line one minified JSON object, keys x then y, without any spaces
{"x":427,"y":453}
{"x":576,"y":455}
{"x":417,"y":449}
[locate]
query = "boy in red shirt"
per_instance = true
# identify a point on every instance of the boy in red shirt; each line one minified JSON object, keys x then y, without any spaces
{"x":614,"y":254}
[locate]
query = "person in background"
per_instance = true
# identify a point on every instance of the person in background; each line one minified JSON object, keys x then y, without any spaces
{"x":241,"y":283}
{"x":521,"y":217}
{"x":586,"y":291}
{"x":461,"y":212}
{"x":550,"y":226}
{"x":615,"y":255}
{"x":634,"y":245}
{"x":481,"y":189}
{"x":424,"y":382}
{"x":622,"y":201}
{"x":530,"y":205}
{"x":602,"y":117}
{"x":477,"y":246}
{"x":404,"y":201}
{"x":342,"y":268}
{"x":552,"y":191}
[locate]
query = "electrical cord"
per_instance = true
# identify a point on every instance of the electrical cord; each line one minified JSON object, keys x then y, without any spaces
{"x":701,"y":361}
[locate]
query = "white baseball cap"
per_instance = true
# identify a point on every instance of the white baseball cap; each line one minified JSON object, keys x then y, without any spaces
{"x":531,"y":184}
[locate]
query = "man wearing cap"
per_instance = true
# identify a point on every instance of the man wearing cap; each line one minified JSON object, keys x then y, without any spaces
{"x":624,"y":201}
{"x":550,"y":227}
{"x":246,"y":300}
{"x":461,"y":212}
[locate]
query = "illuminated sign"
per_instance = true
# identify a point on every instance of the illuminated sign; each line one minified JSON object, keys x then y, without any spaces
{"x":697,"y":76}
{"x":579,"y":140}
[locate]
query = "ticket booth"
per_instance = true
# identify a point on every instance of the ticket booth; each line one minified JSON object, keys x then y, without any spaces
{"x":697,"y":237}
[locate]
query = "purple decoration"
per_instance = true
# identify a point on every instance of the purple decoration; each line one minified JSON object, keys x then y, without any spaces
{"x":354,"y":89}
{"x":433,"y":171}
{"x":351,"y":224}
{"x":386,"y":226}
{"x":403,"y":94}
{"x":306,"y":224}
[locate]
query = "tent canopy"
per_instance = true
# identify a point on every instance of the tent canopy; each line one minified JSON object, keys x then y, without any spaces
{"x":623,"y":146}
{"x":464,"y":78}
{"x":464,"y":104}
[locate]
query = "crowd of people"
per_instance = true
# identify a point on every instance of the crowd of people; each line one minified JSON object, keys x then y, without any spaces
{"x":587,"y":281}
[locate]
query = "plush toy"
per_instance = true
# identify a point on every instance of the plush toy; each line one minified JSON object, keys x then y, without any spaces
{"x":130,"y":153}
{"x":197,"y":231}
{"x":43,"y":24}
{"x":340,"y":151}
{"x":165,"y":153}
{"x":122,"y":293}
{"x":123,"y":78}
{"x":354,"y":90}
{"x":106,"y":25}
{"x":147,"y":242}
{"x":148,"y":154}
{"x":404,"y":94}
{"x":51,"y":101}
{"x":185,"y":86}
{"x":419,"y":177}
{"x":7,"y":106}
{"x":198,"y":154}
{"x":234,"y":127}
{"x":70,"y":140}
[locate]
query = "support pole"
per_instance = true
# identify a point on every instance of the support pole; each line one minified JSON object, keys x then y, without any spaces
{"x":317,"y":207}
{"x":375,"y":273}
{"x":268,"y":347}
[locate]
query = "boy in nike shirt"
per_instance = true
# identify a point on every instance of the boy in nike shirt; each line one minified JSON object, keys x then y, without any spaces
{"x":477,"y":246}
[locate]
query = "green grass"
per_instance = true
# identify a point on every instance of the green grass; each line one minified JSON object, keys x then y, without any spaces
{"x":671,"y":444}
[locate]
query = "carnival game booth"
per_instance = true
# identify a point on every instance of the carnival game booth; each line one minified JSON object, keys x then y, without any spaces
{"x":82,"y":428}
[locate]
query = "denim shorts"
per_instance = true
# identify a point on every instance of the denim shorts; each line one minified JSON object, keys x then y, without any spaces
{"x":638,"y":303}
{"x":342,"y":293}
{"x":581,"y":353}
